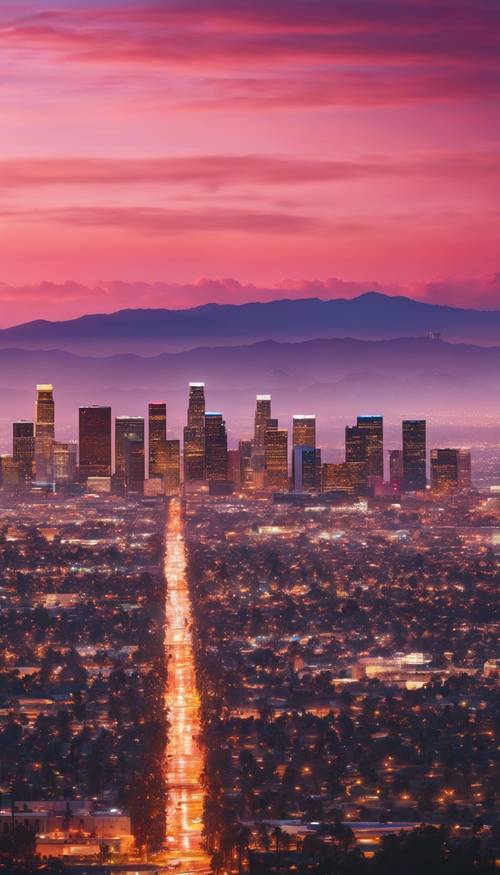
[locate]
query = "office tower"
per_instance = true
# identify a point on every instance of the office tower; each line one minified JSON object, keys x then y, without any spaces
{"x":414,"y":455}
{"x":396,"y":468}
{"x":444,"y":471}
{"x":356,"y":457}
{"x":276,"y":457}
{"x":157,"y":429}
{"x":344,"y":476}
{"x":94,"y":438}
{"x":11,"y":474}
{"x":262,"y":414}
{"x":245,"y":451}
{"x":215,"y":447}
{"x":172,"y":475}
{"x":133,"y":449}
{"x":304,"y":430}
{"x":23,"y":447}
{"x":306,"y":469}
{"x":194,"y":438}
{"x":126,"y":425}
{"x":303,"y":435}
{"x":372,"y":427}
{"x":72,"y":460}
{"x":44,"y":432}
{"x":355,"y":444}
{"x":233,"y":468}
{"x":464,"y":470}
{"x":64,"y":462}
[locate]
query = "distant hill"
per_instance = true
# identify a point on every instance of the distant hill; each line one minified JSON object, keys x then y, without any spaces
{"x":147,"y":332}
{"x":337,"y":378}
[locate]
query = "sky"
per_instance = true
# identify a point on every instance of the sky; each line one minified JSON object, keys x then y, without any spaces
{"x":168,"y":154}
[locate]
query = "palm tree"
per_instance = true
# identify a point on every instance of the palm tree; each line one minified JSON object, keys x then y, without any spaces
{"x":277,"y":835}
{"x":242,"y":842}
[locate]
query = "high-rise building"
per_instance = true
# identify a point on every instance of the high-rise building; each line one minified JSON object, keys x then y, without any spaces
{"x":233,"y":468}
{"x":444,"y":471}
{"x":262,"y":415}
{"x":194,"y":437}
{"x":245,"y":450}
{"x":94,"y":438}
{"x":157,"y":429}
{"x":215,"y":447}
{"x":414,"y":455}
{"x":304,"y":430}
{"x":64,"y":462}
{"x":464,"y":470}
{"x":133,"y":447}
{"x":372,"y":427}
{"x":172,"y":475}
{"x":356,"y":455}
{"x":306,"y":469}
{"x":355,"y":444}
{"x":276,"y":457}
{"x":23,"y":448}
{"x":396,"y":469}
{"x":126,"y":425}
{"x":345,"y":476}
{"x":303,"y":436}
{"x":44,"y":432}
{"x":11,"y":474}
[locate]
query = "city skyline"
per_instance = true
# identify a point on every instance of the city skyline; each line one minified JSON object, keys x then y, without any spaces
{"x":142,"y":452}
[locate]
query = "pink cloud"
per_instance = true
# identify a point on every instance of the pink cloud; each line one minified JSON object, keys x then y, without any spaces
{"x":401,"y":52}
{"x":480,"y":292}
{"x":214,"y":171}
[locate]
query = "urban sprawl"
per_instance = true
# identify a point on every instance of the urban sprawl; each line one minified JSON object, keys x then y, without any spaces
{"x":245,"y":660}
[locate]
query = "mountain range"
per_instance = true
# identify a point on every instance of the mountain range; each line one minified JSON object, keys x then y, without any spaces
{"x":151,"y":331}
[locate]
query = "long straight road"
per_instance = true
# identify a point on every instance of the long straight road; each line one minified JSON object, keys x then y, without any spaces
{"x":184,"y":755}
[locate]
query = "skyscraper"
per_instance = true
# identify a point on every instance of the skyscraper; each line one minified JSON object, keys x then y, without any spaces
{"x":126,"y":425}
{"x":23,"y":448}
{"x":372,"y":427}
{"x":133,"y":447}
{"x":172,"y":475}
{"x":346,"y":476}
{"x":396,"y":469}
{"x":355,"y":444}
{"x":276,"y":457}
{"x":44,"y":432}
{"x":194,"y":438}
{"x":303,"y":437}
{"x":157,"y":430}
{"x":444,"y":471}
{"x":306,"y":469}
{"x":414,"y":455}
{"x":215,"y":447}
{"x":304,"y":430}
{"x":464,"y":470}
{"x":245,"y":449}
{"x":233,"y":468}
{"x":262,"y":414}
{"x":64,"y":462}
{"x":94,"y":438}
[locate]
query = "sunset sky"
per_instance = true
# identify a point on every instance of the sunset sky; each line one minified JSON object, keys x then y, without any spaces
{"x":279,"y":143}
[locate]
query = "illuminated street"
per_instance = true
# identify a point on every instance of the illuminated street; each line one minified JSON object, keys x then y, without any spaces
{"x":184,"y":756}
